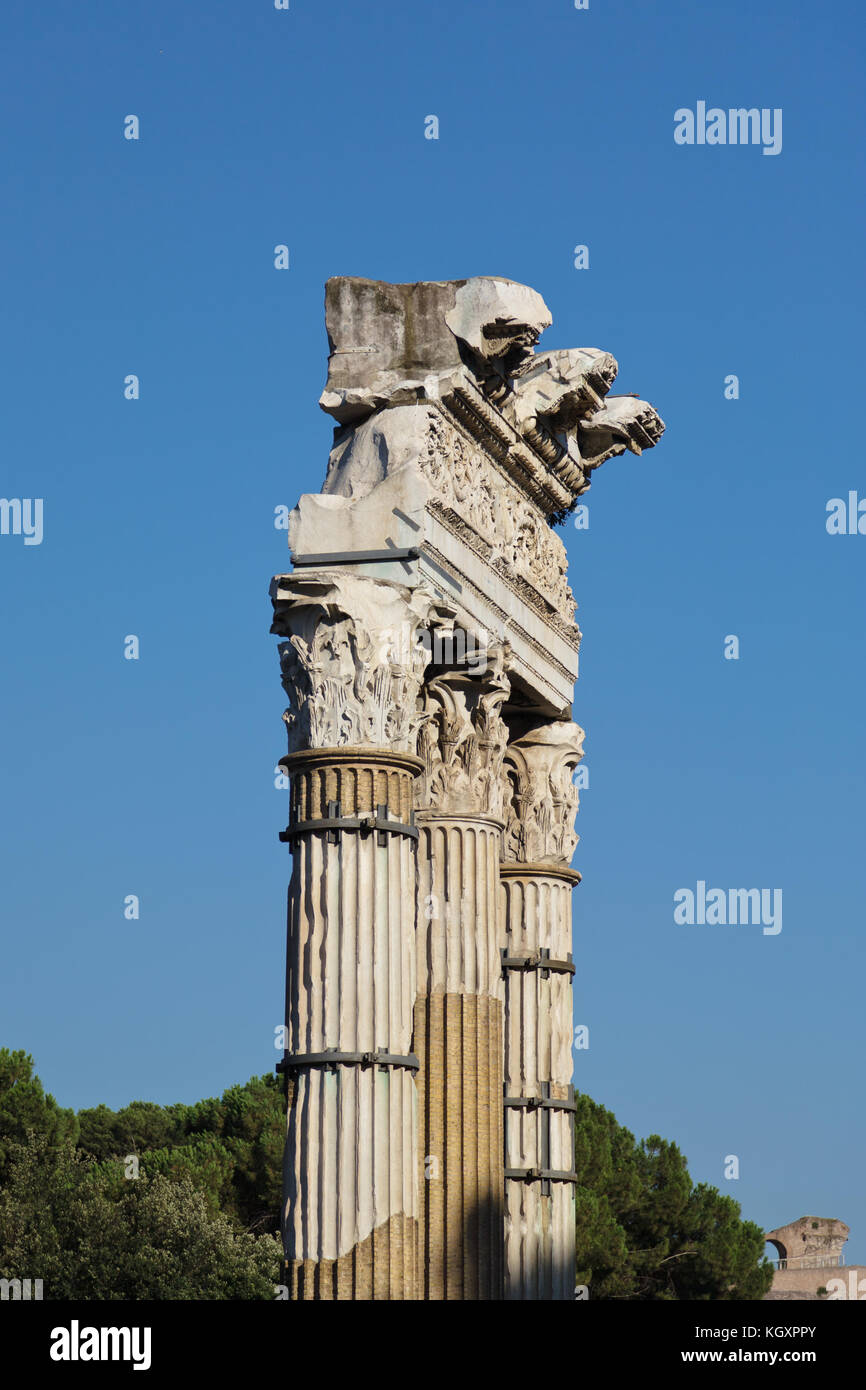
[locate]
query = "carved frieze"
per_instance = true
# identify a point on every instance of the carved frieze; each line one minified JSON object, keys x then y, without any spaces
{"x":473,"y":494}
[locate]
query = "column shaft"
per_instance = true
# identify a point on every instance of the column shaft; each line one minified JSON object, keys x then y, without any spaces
{"x":458,"y":1038}
{"x":350,"y":1227}
{"x":538,"y":1064}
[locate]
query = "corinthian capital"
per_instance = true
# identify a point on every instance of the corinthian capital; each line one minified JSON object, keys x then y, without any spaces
{"x":352,"y":665}
{"x":539,"y":766}
{"x":461,"y":740}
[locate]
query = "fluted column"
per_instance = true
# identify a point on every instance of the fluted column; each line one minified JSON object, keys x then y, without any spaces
{"x":350,"y":1168}
{"x":458,"y":1012}
{"x":538,"y":969}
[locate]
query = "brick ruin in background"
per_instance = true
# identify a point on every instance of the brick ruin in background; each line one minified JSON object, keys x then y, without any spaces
{"x":811,"y":1264}
{"x":430,"y":653}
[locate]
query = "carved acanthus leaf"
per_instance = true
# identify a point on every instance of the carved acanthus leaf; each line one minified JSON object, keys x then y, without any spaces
{"x":352,"y":666}
{"x":461,"y":741}
{"x":543,"y":802}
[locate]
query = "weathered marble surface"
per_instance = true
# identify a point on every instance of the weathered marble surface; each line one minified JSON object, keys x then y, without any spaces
{"x":397,"y":345}
{"x":433,"y":797}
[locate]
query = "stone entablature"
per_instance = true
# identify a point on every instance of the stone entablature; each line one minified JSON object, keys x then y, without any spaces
{"x":471,"y":343}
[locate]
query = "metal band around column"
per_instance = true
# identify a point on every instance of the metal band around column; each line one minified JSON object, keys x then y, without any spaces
{"x":335,"y":821}
{"x":543,"y":1103}
{"x":332,"y":1058}
{"x":539,"y":960}
{"x":540,"y":1174}
{"x":539,"y":1102}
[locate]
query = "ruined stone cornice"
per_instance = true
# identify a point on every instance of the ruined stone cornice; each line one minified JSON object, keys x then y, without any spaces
{"x":543,"y":418}
{"x":539,"y":466}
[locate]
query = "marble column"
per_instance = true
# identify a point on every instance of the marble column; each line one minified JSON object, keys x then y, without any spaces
{"x":458,"y":1011}
{"x":421,"y":855}
{"x":350,"y":1171}
{"x":537,"y":966}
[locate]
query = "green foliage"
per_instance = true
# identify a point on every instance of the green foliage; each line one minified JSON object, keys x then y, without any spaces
{"x":230,"y":1147}
{"x":89,"y":1233}
{"x":729,"y":1264}
{"x":136,"y":1128}
{"x":25,"y":1107}
{"x":200,"y":1219}
{"x":205,"y":1162}
{"x":255,"y":1132}
{"x":645,"y":1232}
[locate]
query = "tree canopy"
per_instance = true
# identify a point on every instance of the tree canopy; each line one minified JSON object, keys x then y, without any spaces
{"x":89,"y":1233}
{"x":150,"y":1201}
{"x":183,"y":1201}
{"x":645,"y":1231}
{"x":25,"y":1107}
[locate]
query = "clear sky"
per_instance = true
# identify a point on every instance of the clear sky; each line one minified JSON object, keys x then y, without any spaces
{"x":154,"y":777}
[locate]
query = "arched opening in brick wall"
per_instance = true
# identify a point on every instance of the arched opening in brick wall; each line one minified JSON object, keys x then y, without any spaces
{"x":775,"y":1250}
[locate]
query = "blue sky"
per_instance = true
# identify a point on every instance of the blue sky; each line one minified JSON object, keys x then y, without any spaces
{"x":155,"y":777}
